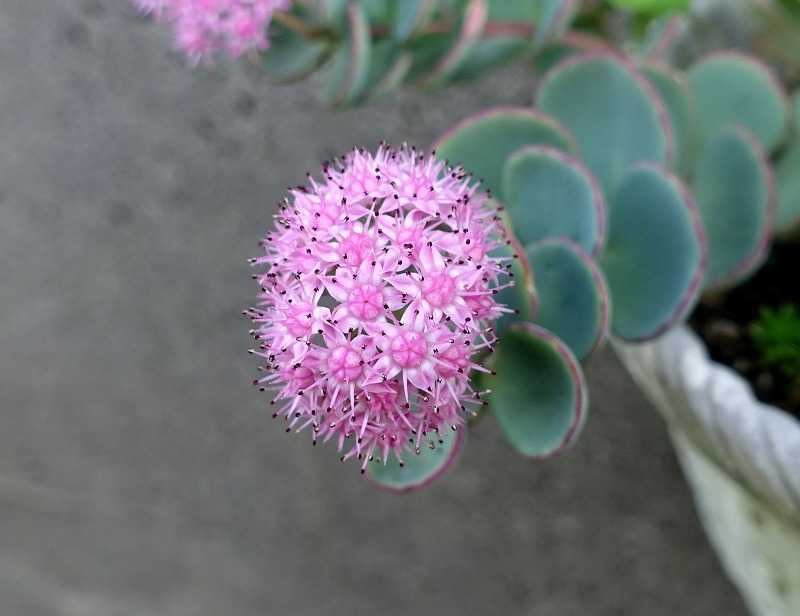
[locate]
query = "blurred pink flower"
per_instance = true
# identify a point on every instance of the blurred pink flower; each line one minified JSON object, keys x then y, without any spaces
{"x":376,"y":294}
{"x":205,"y":27}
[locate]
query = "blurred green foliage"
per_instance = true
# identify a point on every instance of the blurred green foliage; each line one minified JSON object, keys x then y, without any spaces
{"x":776,"y":334}
{"x":651,"y":7}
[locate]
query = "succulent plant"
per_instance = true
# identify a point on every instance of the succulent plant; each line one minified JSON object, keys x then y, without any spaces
{"x":787,"y":174}
{"x":370,"y":47}
{"x":366,"y":47}
{"x":632,"y":188}
{"x":626,"y":191}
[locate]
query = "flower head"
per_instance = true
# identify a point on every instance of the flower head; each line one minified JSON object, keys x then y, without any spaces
{"x":205,"y":27}
{"x":377,"y":291}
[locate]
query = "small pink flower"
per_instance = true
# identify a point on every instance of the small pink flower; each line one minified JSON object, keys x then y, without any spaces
{"x":205,"y":27}
{"x":377,"y":291}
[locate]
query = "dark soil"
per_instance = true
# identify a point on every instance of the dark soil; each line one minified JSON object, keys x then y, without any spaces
{"x":724,"y":320}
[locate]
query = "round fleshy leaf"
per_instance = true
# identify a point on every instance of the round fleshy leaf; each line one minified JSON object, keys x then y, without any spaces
{"x":733,"y":187}
{"x":410,"y":15}
{"x":732,"y":88}
{"x":521,"y":296}
{"x":548,"y":193}
{"x":437,"y":453}
{"x":350,"y":69}
{"x":787,"y":176}
{"x":554,"y":18}
{"x":616,"y":116}
{"x":573,"y":298}
{"x":677,"y":98}
{"x":482,"y":143}
{"x":290,"y":56}
{"x":472,"y":24}
{"x":655,"y":256}
{"x":538,"y":394}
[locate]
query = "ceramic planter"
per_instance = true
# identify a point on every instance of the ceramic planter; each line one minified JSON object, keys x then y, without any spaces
{"x":742,"y":460}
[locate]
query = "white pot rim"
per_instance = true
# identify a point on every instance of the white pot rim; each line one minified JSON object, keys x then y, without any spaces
{"x":757,"y":444}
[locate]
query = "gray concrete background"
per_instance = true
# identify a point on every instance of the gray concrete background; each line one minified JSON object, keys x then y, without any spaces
{"x":140,"y":474}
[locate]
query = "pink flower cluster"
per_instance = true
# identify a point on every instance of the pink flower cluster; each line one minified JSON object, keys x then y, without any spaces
{"x":205,"y":27}
{"x":377,"y":293}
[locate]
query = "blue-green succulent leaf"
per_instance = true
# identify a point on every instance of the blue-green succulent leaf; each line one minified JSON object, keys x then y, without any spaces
{"x":733,"y":187}
{"x":487,"y":53}
{"x":655,"y":255}
{"x":426,"y":51}
{"x":525,"y":11}
{"x":787,"y":175}
{"x":613,"y":112}
{"x":410,"y":15}
{"x":481,"y":143}
{"x":538,"y":394}
{"x":549,"y":193}
{"x":291,"y":57}
{"x":332,"y":11}
{"x":474,"y":20}
{"x":437,"y":453}
{"x":388,"y":66}
{"x":572,"y":44}
{"x":661,"y":38}
{"x":521,"y":296}
{"x":731,"y":88}
{"x":796,"y":110}
{"x":555,"y":17}
{"x":378,"y":11}
{"x":573,"y":297}
{"x":350,"y":70}
{"x":676,"y":95}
